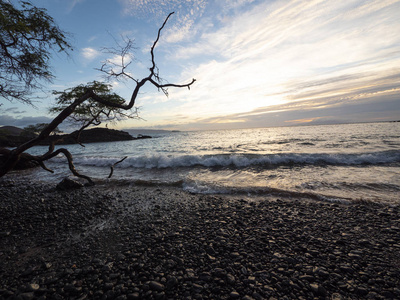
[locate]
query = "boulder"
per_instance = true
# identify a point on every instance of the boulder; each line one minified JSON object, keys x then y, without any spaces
{"x":68,"y":184}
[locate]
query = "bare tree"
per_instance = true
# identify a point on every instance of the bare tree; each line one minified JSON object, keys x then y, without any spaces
{"x":100,"y":105}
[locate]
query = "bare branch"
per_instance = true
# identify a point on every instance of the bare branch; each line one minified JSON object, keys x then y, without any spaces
{"x":112,"y":167}
{"x":155,"y":43}
{"x":163,"y":86}
{"x":126,"y":53}
{"x":154,"y":72}
{"x":44,"y":167}
{"x":71,"y":165}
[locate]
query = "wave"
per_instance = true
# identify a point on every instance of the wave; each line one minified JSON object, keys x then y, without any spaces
{"x":244,"y":161}
{"x":199,"y":188}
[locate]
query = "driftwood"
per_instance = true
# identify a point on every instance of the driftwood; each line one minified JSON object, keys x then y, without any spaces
{"x":112,"y":167}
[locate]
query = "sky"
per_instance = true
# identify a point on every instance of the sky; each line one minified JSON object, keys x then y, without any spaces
{"x":256,"y":63}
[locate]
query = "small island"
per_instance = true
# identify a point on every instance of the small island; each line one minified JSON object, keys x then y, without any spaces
{"x":94,"y":135}
{"x":11,"y":136}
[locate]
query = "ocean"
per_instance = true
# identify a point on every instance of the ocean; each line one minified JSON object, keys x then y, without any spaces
{"x":349,"y":162}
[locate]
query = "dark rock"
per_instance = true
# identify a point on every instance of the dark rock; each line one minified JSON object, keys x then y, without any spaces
{"x":32,"y":287}
{"x":156,"y":286}
{"x":71,"y":289}
{"x":219,"y":272}
{"x":173,"y":281}
{"x":197,"y":287}
{"x":361,"y":291}
{"x":27,"y":296}
{"x":210,"y":250}
{"x":108,"y":286}
{"x":205,"y":276}
{"x":336,"y":296}
{"x":141,"y":136}
{"x":388,"y":295}
{"x":133,"y":296}
{"x":257,"y":296}
{"x":308,"y":278}
{"x":68,"y":184}
{"x":230,"y":279}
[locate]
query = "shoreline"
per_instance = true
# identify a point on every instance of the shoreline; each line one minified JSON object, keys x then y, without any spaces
{"x":121,"y":241}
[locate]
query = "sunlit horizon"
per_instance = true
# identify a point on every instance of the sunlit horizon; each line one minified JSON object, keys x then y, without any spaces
{"x":257,"y":63}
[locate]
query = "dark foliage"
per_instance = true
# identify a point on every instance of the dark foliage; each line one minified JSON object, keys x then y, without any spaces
{"x":28,"y":37}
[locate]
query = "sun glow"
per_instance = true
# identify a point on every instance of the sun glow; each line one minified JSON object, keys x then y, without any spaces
{"x":257,"y":63}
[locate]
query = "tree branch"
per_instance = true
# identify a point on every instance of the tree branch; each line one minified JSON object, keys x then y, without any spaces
{"x":161,"y":86}
{"x":155,"y":43}
{"x":71,"y":165}
{"x":112,"y":167}
{"x":13,"y":158}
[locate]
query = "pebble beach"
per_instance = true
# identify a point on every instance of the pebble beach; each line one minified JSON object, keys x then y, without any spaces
{"x":121,"y":241}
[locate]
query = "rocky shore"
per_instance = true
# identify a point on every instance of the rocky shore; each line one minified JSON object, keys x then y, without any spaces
{"x":121,"y":241}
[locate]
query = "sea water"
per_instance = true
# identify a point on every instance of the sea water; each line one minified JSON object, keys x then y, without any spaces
{"x":327,"y":162}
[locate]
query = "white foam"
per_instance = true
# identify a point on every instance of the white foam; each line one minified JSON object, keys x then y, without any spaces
{"x":242,"y":161}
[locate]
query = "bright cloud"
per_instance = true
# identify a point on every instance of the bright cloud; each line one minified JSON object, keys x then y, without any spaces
{"x":156,"y":9}
{"x":186,"y":12}
{"x":260,"y":54}
{"x":90,"y":53}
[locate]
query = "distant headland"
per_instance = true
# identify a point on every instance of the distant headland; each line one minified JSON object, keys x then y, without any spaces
{"x":11,"y":136}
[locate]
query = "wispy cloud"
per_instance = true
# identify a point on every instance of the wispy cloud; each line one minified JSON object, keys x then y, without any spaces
{"x":14,"y":110}
{"x":304,"y":121}
{"x":90,"y":53}
{"x":73,"y":3}
{"x":92,"y":38}
{"x":154,"y":9}
{"x":11,"y":120}
{"x":372,"y":108}
{"x":291,"y":60}
{"x":288,"y":51}
{"x":186,"y":13}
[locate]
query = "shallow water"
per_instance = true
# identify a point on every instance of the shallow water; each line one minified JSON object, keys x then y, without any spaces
{"x":329,"y":162}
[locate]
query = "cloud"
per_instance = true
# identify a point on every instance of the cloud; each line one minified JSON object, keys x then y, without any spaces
{"x":304,"y":121}
{"x":73,"y":3}
{"x":13,"y":110}
{"x":90,"y":53}
{"x":154,"y":9}
{"x":7,"y":120}
{"x":179,"y":32}
{"x":186,"y":13}
{"x":367,"y":103}
{"x":266,"y":62}
{"x":284,"y":51}
{"x":346,"y":108}
{"x":369,"y":111}
{"x":93,"y":38}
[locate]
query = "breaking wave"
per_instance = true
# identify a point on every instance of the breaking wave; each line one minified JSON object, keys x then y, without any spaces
{"x":244,"y":161}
